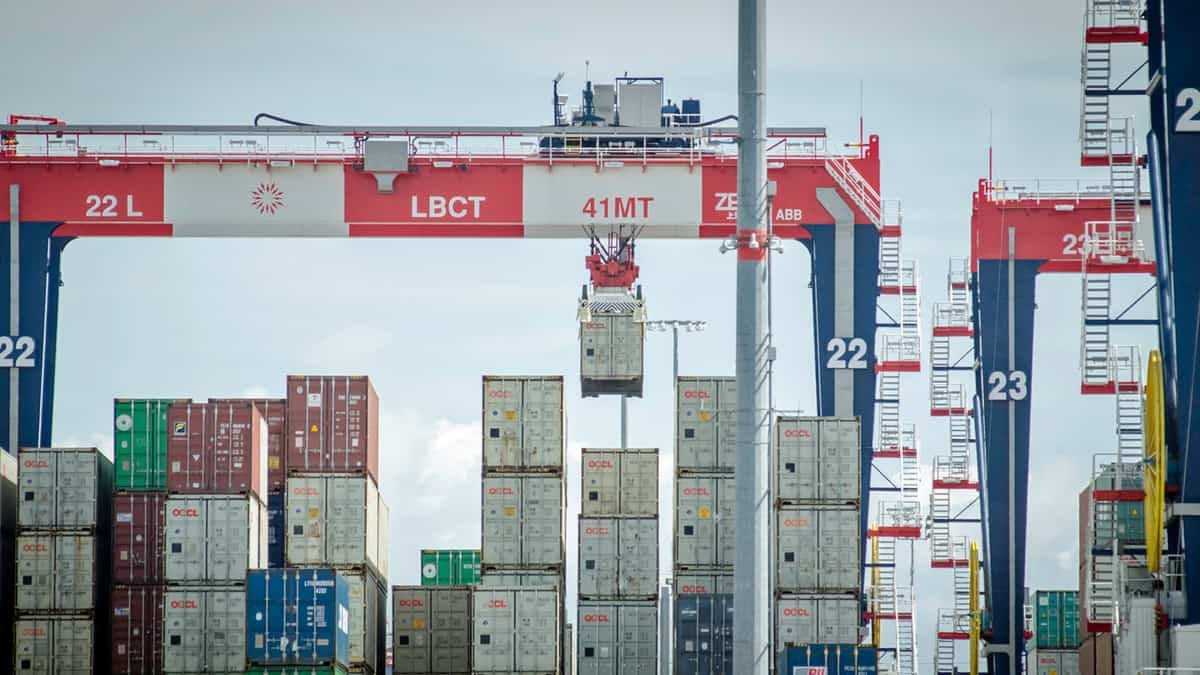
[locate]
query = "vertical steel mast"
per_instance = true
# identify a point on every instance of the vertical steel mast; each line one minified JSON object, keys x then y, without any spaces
{"x":752,"y":610}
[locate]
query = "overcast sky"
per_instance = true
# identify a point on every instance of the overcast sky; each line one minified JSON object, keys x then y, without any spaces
{"x":425,"y":319}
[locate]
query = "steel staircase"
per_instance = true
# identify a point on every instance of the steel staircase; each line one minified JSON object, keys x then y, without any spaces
{"x":861,"y":192}
{"x":1096,"y":78}
{"x":1094,"y":347}
{"x":906,"y":639}
{"x":944,"y":657}
{"x":941,"y":547}
{"x":1131,"y":441}
{"x":887,"y":404}
{"x":1123,"y":170}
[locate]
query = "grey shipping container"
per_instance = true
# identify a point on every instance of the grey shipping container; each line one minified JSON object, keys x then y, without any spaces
{"x":618,"y":557}
{"x":214,"y":538}
{"x":704,"y":520}
{"x":61,"y":573}
{"x":368,"y":619}
{"x":65,"y":488}
{"x":8,"y":548}
{"x":522,"y":520}
{"x":204,"y":630}
{"x":59,"y":646}
{"x":612,"y":331}
{"x":706,"y":423}
{"x":816,"y":619}
{"x":431,"y":629}
{"x":493,"y":577}
{"x":1136,"y":644}
{"x":335,"y":519}
{"x":617,"y":638}
{"x":1053,"y":662}
{"x":818,"y":459}
{"x":523,"y":423}
{"x":516,"y":630}
{"x":704,"y":582}
{"x":817,"y":549}
{"x":704,"y":634}
{"x":620,"y":482}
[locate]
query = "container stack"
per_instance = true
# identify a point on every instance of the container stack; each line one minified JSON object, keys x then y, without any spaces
{"x":1056,"y":633}
{"x":297,"y":620}
{"x":215,"y":532}
{"x":140,"y":438}
{"x":8,"y":548}
{"x":431,"y":630}
{"x":63,"y":542}
{"x":704,"y":634}
{"x":818,"y":545}
{"x":523,"y":499}
{"x":335,"y":518}
{"x":618,"y":563}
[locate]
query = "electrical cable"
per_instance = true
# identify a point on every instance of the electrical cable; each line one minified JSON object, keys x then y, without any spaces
{"x":282,"y":120}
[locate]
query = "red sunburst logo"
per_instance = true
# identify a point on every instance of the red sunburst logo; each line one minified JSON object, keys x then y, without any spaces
{"x":267,"y":198}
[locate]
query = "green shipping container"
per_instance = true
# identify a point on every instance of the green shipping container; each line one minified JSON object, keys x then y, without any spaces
{"x":449,"y":567}
{"x":1057,"y":619}
{"x":140,"y":443}
{"x":297,"y":670}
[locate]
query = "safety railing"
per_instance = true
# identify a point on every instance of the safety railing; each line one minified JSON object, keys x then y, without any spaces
{"x":864,"y":195}
{"x":1113,"y":13}
{"x":1111,"y":243}
{"x":1039,"y":190}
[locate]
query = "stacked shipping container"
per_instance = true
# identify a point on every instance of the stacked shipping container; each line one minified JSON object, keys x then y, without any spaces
{"x":431,"y":629}
{"x":523,"y":509}
{"x":334,"y":516}
{"x":63,"y":543}
{"x":618,"y":563}
{"x":449,"y":567}
{"x":8,"y":548}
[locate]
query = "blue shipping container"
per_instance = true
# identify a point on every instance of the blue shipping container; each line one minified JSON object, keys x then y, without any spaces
{"x":275,"y":515}
{"x":297,"y":617}
{"x":835,"y":659}
{"x":704,"y":634}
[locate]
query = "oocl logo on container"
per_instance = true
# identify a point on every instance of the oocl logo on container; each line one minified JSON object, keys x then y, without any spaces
{"x":497,"y":604}
{"x":595,"y":326}
{"x":33,"y":632}
{"x":795,"y":522}
{"x":35,"y":548}
{"x":305,"y":491}
{"x":500,"y":393}
{"x":185,"y":513}
{"x":597,"y":531}
{"x":600,"y":464}
{"x":410,"y":603}
{"x":500,"y":491}
{"x":184,"y":604}
{"x":595,"y":618}
{"x":37,"y":464}
{"x":797,"y":433}
{"x":695,"y":492}
{"x":693,"y":588}
{"x":695,"y":393}
{"x":795,"y":611}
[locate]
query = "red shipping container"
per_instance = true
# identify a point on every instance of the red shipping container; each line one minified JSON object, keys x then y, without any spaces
{"x":333,"y":425}
{"x":216,"y":448}
{"x":138,"y":523}
{"x":274,"y":412}
{"x":137,"y":620}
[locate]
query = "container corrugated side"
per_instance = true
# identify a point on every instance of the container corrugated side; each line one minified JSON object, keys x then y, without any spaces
{"x":1136,"y":645}
{"x":136,"y":630}
{"x":834,"y":659}
{"x":618,"y":557}
{"x":217,"y":448}
{"x":65,"y":488}
{"x":1185,"y":646}
{"x":817,"y":549}
{"x":1057,"y":619}
{"x":214,"y":537}
{"x":620,"y":482}
{"x":8,"y":548}
{"x":516,"y":630}
{"x":706,"y":423}
{"x":276,"y":524}
{"x":60,"y":573}
{"x":334,"y":520}
{"x":368,"y":635}
{"x":816,"y":619}
{"x":492,"y":577}
{"x":704,"y":520}
{"x":139,"y":520}
{"x":523,"y":423}
{"x":703,"y":634}
{"x":704,"y":583}
{"x":617,"y":638}
{"x":204,"y":630}
{"x":336,"y":669}
{"x":57,"y":645}
{"x":522,"y":520}
{"x":817,"y":460}
{"x":297,"y":617}
{"x":431,"y":629}
{"x":332,"y":424}
{"x":274,"y":414}
{"x":611,"y":350}
{"x":140,"y":435}
{"x":450,"y":567}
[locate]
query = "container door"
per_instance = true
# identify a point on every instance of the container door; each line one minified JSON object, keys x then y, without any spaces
{"x":451,"y":645}
{"x":638,"y":556}
{"x":727,"y":424}
{"x":494,"y":629}
{"x":35,"y":573}
{"x":595,"y":348}
{"x":796,"y":459}
{"x":598,"y":557}
{"x":73,"y":644}
{"x":726,"y":536}
{"x":637,"y":641}
{"x":696,"y":522}
{"x":226,"y":628}
{"x":840,"y":459}
{"x":305,"y":540}
{"x":796,"y":550}
{"x":542,"y":422}
{"x":349,"y":516}
{"x":228,"y":539}
{"x":501,"y":422}
{"x":796,"y":621}
{"x":603,"y":489}
{"x":696,"y":426}
{"x":537,"y":631}
{"x":541,"y":527}
{"x":35,"y":646}
{"x":598,"y":652}
{"x":76,"y":489}
{"x":37,"y":478}
{"x":183,"y":631}
{"x":358,"y":589}
{"x":627,"y":337}
{"x":186,"y":552}
{"x":411,"y":625}
{"x":501,"y":520}
{"x":639,"y":483}
{"x":838,"y":550}
{"x":839,"y":621}
{"x":74,"y":568}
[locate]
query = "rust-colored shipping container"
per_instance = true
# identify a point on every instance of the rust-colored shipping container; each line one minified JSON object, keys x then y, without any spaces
{"x":274,"y":413}
{"x":216,"y":448}
{"x":333,"y":425}
{"x":137,"y":620}
{"x":1096,"y":655}
{"x":138,"y":524}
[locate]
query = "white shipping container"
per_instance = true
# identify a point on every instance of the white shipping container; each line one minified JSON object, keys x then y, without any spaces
{"x":57,"y":572}
{"x":214,"y":537}
{"x":620,"y":482}
{"x":64,"y":488}
{"x":365,"y":598}
{"x":431,"y":629}
{"x":617,"y":639}
{"x":334,"y":519}
{"x":817,"y":549}
{"x":817,"y":459}
{"x":204,"y":630}
{"x":1185,"y":646}
{"x":522,"y":520}
{"x":64,"y":646}
{"x":1136,"y":645}
{"x":704,"y":520}
{"x":509,"y":577}
{"x":523,"y":422}
{"x":611,"y":343}
{"x":516,"y":630}
{"x":706,"y":423}
{"x":383,"y":541}
{"x":1056,"y":662}
{"x":618,"y":557}
{"x":700,"y":583}
{"x":811,"y":620}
